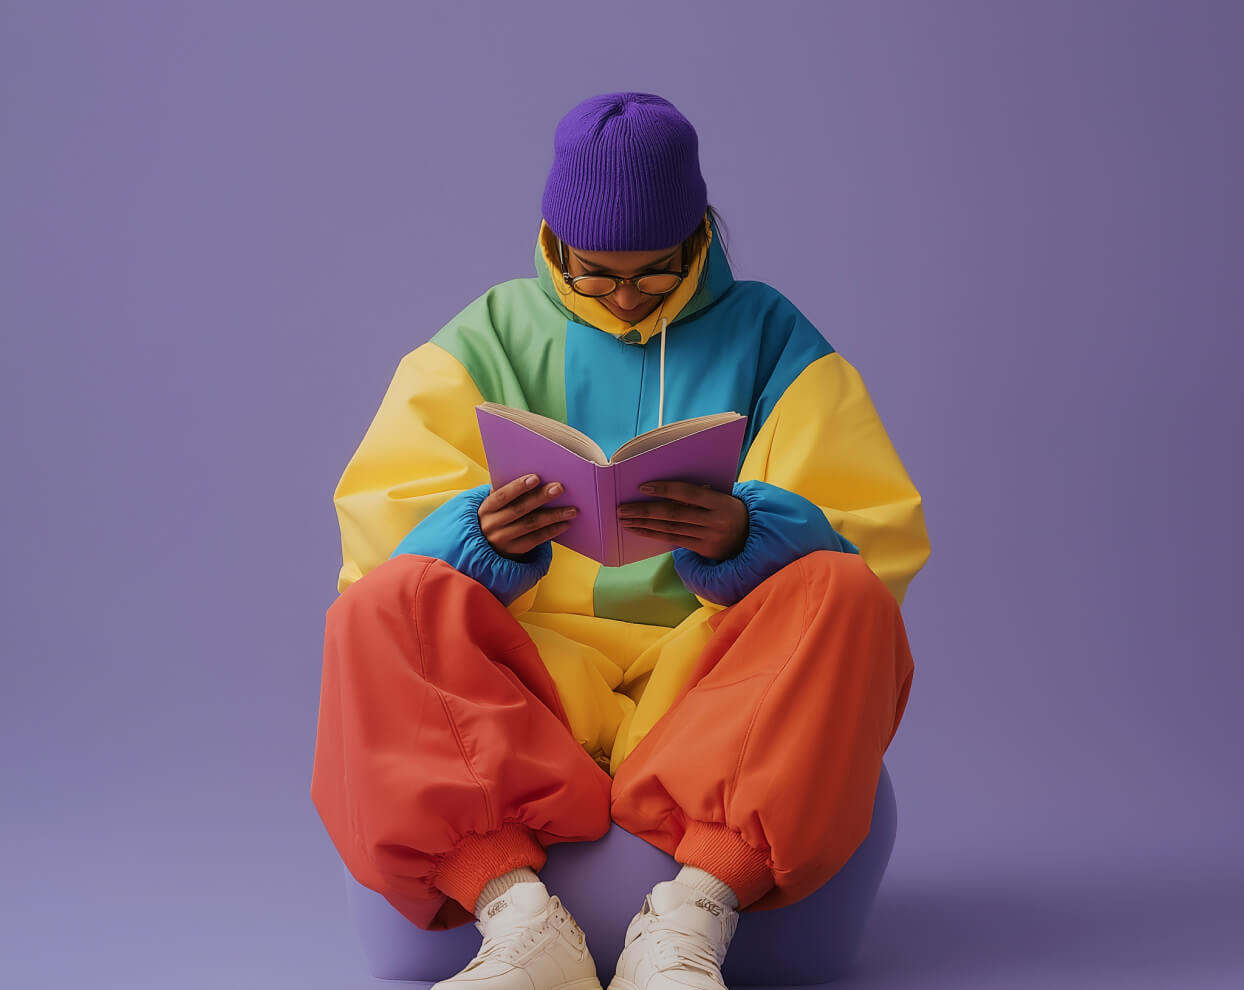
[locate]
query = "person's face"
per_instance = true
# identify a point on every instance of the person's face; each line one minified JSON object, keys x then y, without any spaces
{"x":625,"y":302}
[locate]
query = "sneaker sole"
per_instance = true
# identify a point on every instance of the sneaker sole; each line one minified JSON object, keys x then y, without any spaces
{"x":617,"y":983}
{"x":587,"y":983}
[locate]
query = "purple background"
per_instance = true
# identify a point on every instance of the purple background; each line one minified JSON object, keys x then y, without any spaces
{"x":223,"y":224}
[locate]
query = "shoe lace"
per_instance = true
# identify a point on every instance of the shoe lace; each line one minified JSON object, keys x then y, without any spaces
{"x":505,"y":947}
{"x":675,"y":948}
{"x":508,"y":945}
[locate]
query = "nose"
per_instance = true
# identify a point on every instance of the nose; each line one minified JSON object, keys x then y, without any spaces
{"x":627,"y":296}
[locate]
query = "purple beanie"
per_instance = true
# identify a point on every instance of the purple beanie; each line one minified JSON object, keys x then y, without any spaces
{"x":625,"y":176}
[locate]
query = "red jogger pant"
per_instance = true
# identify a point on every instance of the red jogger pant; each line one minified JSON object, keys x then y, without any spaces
{"x":444,"y":758}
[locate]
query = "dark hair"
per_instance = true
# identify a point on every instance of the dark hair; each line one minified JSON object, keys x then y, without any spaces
{"x":698,"y":237}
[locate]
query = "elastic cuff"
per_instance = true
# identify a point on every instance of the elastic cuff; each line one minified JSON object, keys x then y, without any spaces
{"x":501,"y":573}
{"x":466,"y":869}
{"x":721,"y":851}
{"x":782,"y":526}
{"x":452,"y":533}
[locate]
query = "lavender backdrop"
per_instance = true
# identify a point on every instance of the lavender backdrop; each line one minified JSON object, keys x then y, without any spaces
{"x":223,"y":224}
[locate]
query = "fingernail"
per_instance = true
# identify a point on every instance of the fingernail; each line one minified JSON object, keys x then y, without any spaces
{"x":529,"y":480}
{"x":555,"y":489}
{"x":647,"y":488}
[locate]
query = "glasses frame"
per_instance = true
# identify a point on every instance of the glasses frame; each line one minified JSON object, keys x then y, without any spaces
{"x":563,"y":252}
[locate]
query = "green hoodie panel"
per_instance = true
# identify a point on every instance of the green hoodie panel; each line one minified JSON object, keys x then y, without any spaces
{"x":512,"y":342}
{"x":648,"y":591}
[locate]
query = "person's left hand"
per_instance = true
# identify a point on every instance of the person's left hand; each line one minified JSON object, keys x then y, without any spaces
{"x":711,"y":523}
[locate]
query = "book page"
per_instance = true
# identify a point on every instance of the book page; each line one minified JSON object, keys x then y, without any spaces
{"x":669,"y":433}
{"x":575,"y":441}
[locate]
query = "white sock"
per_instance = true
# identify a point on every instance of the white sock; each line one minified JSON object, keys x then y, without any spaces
{"x":499,"y":885}
{"x":706,"y":883}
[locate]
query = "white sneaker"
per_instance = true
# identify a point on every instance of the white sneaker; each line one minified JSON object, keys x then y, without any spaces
{"x":677,"y":941}
{"x":530,"y":943}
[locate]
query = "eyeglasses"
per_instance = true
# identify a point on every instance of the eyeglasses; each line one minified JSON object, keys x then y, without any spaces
{"x":650,"y":283}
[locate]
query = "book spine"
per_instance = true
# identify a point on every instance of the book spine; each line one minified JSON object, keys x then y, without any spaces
{"x":607,"y":515}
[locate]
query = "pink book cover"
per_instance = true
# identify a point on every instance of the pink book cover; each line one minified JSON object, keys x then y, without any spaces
{"x":707,"y":455}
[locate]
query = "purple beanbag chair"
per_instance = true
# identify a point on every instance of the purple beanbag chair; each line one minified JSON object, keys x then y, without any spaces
{"x":603,"y":884}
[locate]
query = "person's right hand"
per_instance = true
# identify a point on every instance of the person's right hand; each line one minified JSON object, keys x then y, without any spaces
{"x":512,"y":520}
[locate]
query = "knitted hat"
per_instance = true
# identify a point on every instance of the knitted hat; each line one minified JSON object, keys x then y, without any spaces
{"x":625,"y":176}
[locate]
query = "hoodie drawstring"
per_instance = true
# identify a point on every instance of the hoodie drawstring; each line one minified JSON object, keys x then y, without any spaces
{"x":661,"y":401}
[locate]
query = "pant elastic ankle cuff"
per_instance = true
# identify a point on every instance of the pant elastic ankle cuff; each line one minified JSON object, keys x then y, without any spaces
{"x":464,"y":871}
{"x":721,"y":851}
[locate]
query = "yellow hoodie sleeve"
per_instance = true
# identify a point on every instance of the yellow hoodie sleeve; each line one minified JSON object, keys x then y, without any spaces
{"x":422,"y":449}
{"x":824,"y":441}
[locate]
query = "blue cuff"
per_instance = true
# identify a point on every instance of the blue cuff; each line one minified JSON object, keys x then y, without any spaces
{"x":452,"y":534}
{"x":782,"y":527}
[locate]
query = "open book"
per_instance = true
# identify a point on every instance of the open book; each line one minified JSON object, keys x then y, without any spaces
{"x":704,"y":451}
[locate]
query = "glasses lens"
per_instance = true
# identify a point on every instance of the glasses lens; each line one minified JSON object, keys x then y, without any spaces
{"x":657,"y":285}
{"x":593,"y":285}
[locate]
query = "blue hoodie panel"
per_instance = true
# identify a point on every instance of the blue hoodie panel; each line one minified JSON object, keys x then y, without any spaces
{"x":714,"y":361}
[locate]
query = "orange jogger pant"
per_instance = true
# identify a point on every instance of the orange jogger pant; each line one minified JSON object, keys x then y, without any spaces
{"x":444,"y":757}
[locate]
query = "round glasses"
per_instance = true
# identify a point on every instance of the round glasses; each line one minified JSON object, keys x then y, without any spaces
{"x":649,"y":283}
{"x":656,"y":283}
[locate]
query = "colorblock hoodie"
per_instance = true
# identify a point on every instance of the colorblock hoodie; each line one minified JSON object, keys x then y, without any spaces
{"x":817,"y":470}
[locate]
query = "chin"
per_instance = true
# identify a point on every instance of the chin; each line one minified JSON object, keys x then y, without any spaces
{"x":633,"y":317}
